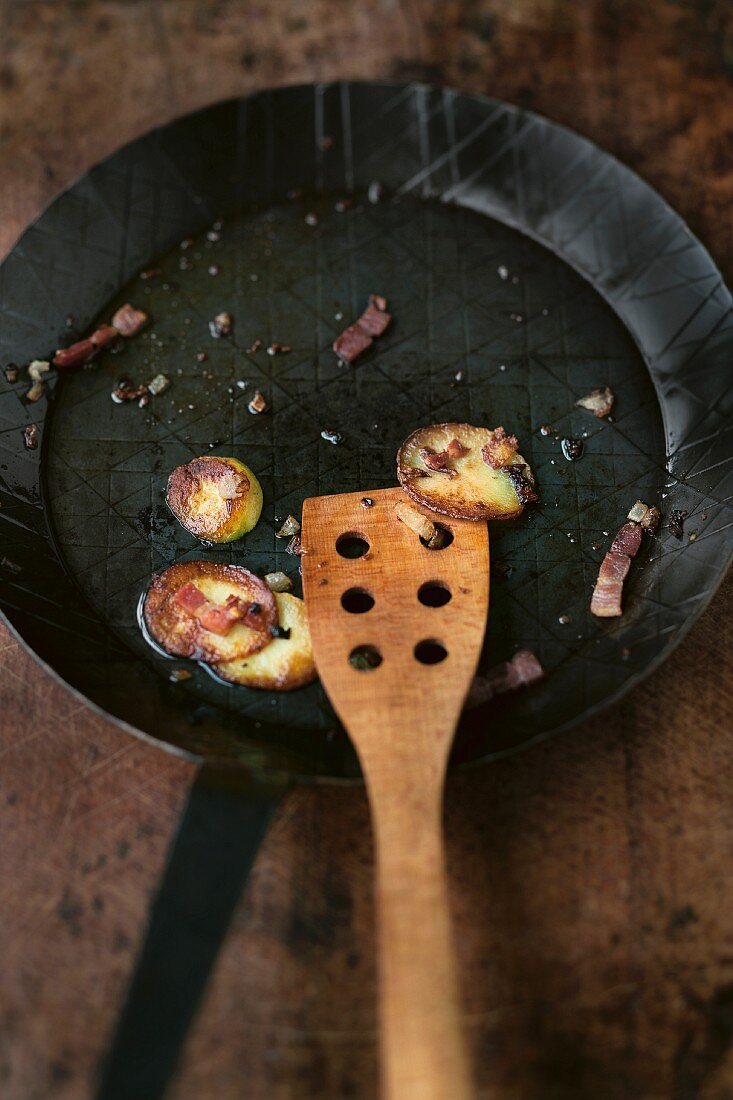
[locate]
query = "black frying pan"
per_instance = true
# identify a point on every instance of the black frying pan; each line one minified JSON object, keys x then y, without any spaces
{"x":524,"y":268}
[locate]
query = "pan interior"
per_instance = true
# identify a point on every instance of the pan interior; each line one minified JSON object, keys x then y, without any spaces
{"x":489,"y":327}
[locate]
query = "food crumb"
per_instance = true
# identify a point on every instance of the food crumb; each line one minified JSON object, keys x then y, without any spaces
{"x":677,"y":522}
{"x":221,"y":325}
{"x":278,"y":349}
{"x":178,"y":675}
{"x":367,"y":502}
{"x":30,"y":435}
{"x":311,"y":218}
{"x":599,"y":401}
{"x":258,"y":404}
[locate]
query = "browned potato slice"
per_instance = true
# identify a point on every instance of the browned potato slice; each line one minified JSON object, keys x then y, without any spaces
{"x":216,"y":499}
{"x":180,"y":632}
{"x":467,"y":487}
{"x":287,"y":663}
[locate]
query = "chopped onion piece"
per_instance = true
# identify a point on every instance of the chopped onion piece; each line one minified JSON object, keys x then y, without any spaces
{"x":278,"y":582}
{"x":290,"y":527}
{"x":416,"y":521}
{"x":599,"y":402}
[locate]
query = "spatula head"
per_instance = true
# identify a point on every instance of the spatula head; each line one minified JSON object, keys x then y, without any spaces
{"x":396,"y":627}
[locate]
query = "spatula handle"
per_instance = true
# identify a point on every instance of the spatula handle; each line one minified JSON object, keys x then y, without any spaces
{"x":424,"y":1054}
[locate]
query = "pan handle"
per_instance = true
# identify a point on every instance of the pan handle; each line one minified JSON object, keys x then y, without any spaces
{"x":218,"y":838}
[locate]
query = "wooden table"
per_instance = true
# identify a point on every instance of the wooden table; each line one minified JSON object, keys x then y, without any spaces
{"x":591,"y":876}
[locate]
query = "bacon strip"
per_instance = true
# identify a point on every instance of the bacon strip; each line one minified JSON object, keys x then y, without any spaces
{"x":374,"y":320}
{"x":79,"y":353}
{"x":628,"y":540}
{"x":128,"y":320}
{"x":606,"y":600}
{"x":190,"y":597}
{"x":218,"y":618}
{"x":355,"y":339}
{"x":522,"y":670}
{"x":352,"y":342}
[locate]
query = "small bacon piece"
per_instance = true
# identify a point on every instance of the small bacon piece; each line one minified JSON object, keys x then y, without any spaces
{"x":79,"y":353}
{"x":455,"y":449}
{"x":217,"y":618}
{"x":522,"y":670}
{"x":606,"y":600}
{"x":599,"y":402}
{"x":103,"y":336}
{"x":374,"y":320}
{"x":434,"y":460}
{"x":500,"y":450}
{"x":628,"y":540}
{"x":355,"y":339}
{"x":352,"y":343}
{"x":190,"y":597}
{"x":128,"y":320}
{"x":258,"y":403}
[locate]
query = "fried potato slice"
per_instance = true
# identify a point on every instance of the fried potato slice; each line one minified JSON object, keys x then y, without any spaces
{"x":179,"y":631}
{"x":287,"y":663}
{"x":216,"y":499}
{"x":455,"y":479}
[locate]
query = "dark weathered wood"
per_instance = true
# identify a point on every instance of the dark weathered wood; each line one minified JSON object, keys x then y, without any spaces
{"x":590,"y":877}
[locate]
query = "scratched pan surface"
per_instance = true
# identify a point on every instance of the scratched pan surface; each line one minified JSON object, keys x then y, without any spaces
{"x":516,"y":257}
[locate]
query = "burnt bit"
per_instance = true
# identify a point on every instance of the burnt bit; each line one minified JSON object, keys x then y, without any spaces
{"x":30,"y":436}
{"x":278,"y":631}
{"x":523,"y":482}
{"x":125,"y":392}
{"x":572,"y":448}
{"x":676,"y":523}
{"x":367,"y":502}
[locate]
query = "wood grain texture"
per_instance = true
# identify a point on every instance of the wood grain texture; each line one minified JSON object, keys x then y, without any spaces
{"x":590,"y":877}
{"x":401,"y":716}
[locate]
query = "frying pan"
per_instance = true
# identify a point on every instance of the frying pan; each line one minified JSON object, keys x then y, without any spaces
{"x":524,"y":267}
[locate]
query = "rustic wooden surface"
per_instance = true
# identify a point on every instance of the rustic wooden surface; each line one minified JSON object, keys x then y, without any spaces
{"x":591,"y":877}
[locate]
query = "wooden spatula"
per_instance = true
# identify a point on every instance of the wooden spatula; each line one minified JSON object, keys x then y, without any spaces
{"x":397,"y":630}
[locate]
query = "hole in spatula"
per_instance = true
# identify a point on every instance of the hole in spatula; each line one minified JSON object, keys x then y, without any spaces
{"x":443,"y":537}
{"x":434,"y":594}
{"x":357,"y":601}
{"x":352,"y":545}
{"x":365,"y":657}
{"x":430,"y":652}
